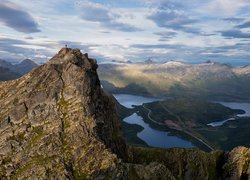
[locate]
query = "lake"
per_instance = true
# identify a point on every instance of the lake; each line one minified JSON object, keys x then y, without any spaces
{"x":232,"y":105}
{"x":152,"y":137}
{"x":130,"y":100}
{"x":156,"y":138}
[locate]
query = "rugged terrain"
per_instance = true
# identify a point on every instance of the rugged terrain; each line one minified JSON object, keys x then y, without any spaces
{"x":56,"y":122}
{"x":207,"y":80}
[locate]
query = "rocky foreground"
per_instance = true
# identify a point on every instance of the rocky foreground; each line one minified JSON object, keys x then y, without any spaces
{"x":57,"y":123}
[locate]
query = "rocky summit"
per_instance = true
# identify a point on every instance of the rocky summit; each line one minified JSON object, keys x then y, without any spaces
{"x":56,"y":122}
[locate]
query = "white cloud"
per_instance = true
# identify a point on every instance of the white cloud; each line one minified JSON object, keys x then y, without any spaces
{"x":224,"y":7}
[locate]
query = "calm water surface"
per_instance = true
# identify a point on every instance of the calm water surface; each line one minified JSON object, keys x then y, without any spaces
{"x":129,"y":100}
{"x":152,"y":137}
{"x":233,"y":105}
{"x":156,"y":138}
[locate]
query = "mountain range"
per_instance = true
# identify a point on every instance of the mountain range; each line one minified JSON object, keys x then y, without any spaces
{"x":57,"y":122}
{"x":11,"y":71}
{"x":6,"y":74}
{"x":207,"y":80}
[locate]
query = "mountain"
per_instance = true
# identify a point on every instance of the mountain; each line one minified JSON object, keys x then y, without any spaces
{"x":6,"y":74}
{"x":56,"y":122}
{"x":25,"y":66}
{"x":207,"y":80}
{"x":22,"y":68}
{"x":57,"y":118}
{"x":5,"y":64}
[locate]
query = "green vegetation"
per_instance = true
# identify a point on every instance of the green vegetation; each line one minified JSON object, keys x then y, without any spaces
{"x":192,"y":112}
{"x":37,"y":135}
{"x":231,"y":134}
{"x":130,"y":134}
{"x":197,"y":164}
{"x":188,"y":118}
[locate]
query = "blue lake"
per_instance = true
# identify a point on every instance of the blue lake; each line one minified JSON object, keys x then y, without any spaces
{"x":156,"y":138}
{"x":129,"y":100}
{"x":152,"y":137}
{"x":232,"y":105}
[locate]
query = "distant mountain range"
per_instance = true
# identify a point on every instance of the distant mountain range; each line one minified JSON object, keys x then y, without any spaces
{"x":9,"y":71}
{"x":207,"y":80}
{"x":57,"y":123}
{"x":6,"y":74}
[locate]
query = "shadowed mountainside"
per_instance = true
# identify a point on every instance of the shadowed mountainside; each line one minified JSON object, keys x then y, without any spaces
{"x":6,"y":74}
{"x":208,"y":80}
{"x":22,"y":68}
{"x":57,"y":123}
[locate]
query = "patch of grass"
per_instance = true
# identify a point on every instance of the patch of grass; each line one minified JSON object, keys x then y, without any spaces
{"x":37,"y":134}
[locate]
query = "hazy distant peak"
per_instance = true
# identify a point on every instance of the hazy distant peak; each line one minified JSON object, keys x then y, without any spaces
{"x":175,"y":63}
{"x":28,"y":61}
{"x":149,"y":61}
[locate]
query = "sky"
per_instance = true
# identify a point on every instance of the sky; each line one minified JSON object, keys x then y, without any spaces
{"x":191,"y":31}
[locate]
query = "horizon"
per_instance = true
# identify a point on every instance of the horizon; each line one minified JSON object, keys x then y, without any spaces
{"x":163,"y":30}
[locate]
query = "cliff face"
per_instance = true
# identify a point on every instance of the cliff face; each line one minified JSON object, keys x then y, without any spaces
{"x":57,"y":122}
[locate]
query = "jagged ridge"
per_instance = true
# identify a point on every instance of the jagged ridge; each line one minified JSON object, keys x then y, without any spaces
{"x":57,"y":123}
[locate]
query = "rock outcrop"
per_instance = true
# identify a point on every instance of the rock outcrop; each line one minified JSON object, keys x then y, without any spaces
{"x":237,"y":164}
{"x":57,"y":123}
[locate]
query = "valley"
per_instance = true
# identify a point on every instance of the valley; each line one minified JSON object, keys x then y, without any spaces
{"x":184,"y":120}
{"x":58,"y":122}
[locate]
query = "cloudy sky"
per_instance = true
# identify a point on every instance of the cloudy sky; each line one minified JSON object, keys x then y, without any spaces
{"x":190,"y":31}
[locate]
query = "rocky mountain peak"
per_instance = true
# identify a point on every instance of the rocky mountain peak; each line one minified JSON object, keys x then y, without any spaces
{"x":56,"y":121}
{"x":74,"y":56}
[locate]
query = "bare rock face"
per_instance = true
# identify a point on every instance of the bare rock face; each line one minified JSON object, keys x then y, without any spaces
{"x":238,"y":164}
{"x":56,"y":122}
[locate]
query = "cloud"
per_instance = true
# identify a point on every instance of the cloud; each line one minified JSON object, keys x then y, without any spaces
{"x":235,"y":34}
{"x":165,"y":36}
{"x":171,"y":14}
{"x":225,"y":7}
{"x":234,"y":20}
{"x":101,"y":14}
{"x":16,"y":50}
{"x":13,"y":17}
{"x":155,"y":46}
{"x":244,"y":25}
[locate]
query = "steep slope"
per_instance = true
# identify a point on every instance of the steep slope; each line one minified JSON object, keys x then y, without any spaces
{"x":57,"y":122}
